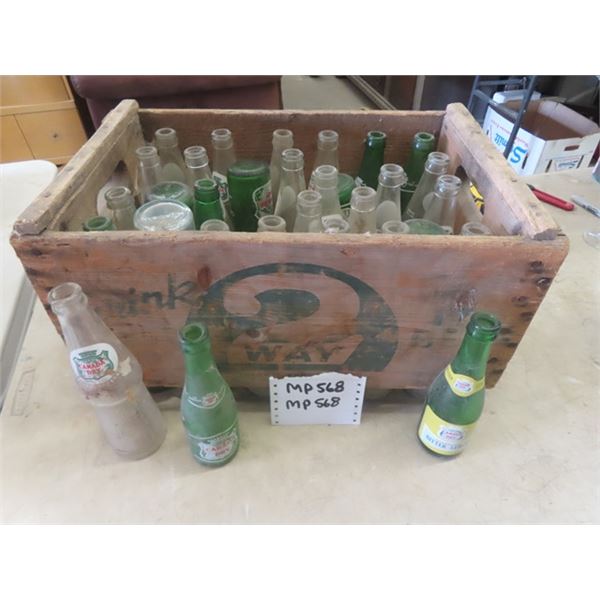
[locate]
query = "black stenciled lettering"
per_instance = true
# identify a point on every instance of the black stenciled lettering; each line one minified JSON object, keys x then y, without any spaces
{"x":158,"y":298}
{"x":175,"y":293}
{"x":255,"y":355}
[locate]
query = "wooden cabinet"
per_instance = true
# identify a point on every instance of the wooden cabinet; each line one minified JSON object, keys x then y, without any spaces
{"x":38,"y":119}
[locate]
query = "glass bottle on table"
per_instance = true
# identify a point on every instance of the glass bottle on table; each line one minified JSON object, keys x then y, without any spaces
{"x":207,"y":203}
{"x":108,"y":375}
{"x":271,"y":223}
{"x":441,"y":203}
{"x":223,"y":158}
{"x":291,"y":184}
{"x":325,"y":181}
{"x":196,"y":161}
{"x":391,"y":179}
{"x":436,"y":165}
{"x":149,"y":171}
{"x":171,"y":159}
{"x":368,"y":174}
{"x":247,"y":181}
{"x":282,"y":140}
{"x":455,"y":398}
{"x":308,"y":212}
{"x":208,"y":408}
{"x":423,"y":143}
{"x":99,"y":223}
{"x":363,"y":207}
{"x":119,"y":200}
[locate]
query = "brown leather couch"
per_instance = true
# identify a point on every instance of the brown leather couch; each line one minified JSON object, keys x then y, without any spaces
{"x":101,"y":93}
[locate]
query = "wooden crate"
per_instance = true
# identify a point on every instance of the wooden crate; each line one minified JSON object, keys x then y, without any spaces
{"x":390,"y":308}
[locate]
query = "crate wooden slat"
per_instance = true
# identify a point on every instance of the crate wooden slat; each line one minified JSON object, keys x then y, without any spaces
{"x":392,"y":308}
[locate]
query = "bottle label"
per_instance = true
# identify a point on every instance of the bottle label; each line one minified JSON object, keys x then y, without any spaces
{"x":442,"y":437}
{"x":463,"y":385}
{"x":217,"y":448}
{"x":209,"y":400}
{"x":263,"y":200}
{"x":95,"y":363}
{"x":359,"y":182}
{"x":222,"y":186}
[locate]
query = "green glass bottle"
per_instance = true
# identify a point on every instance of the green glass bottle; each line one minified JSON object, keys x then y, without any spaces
{"x":207,"y":201}
{"x":249,"y":192}
{"x":208,"y":408}
{"x":423,"y":143}
{"x":99,"y":223}
{"x":370,"y":166}
{"x":455,"y":398}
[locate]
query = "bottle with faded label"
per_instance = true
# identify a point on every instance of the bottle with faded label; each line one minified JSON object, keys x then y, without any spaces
{"x":109,"y":376}
{"x":208,"y":408}
{"x":171,"y":159}
{"x":223,"y":159}
{"x":372,"y":160}
{"x":291,"y":184}
{"x":455,"y":399}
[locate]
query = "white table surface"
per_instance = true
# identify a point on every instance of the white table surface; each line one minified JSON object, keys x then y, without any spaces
{"x":534,"y":457}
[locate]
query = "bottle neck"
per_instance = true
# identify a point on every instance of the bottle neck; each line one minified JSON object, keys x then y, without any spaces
{"x":472,"y":357}
{"x":198,"y":361}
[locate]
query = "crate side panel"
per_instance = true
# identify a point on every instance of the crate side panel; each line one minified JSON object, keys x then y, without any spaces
{"x":391,"y":309}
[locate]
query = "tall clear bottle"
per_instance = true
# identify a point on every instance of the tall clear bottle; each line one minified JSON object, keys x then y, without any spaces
{"x":149,"y":171}
{"x":363,"y":207}
{"x":441,"y":203}
{"x":423,"y":143}
{"x":327,"y":152}
{"x":109,"y":376}
{"x":292,"y":183}
{"x":325,"y":181}
{"x":196,"y":161}
{"x":282,"y":140}
{"x":223,"y":159}
{"x":389,"y":191}
{"x":436,"y":165}
{"x":372,"y":160}
{"x":455,"y":398}
{"x":119,"y":200}
{"x":208,"y":408}
{"x":308,"y":213}
{"x":171,"y":159}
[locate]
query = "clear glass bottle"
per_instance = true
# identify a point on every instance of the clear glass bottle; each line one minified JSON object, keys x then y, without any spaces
{"x":308,"y":212}
{"x":327,"y":152}
{"x":196,"y":161}
{"x":282,"y":140}
{"x":334,"y":224}
{"x":475,"y":228}
{"x":363,"y":207}
{"x":441,"y":207}
{"x":455,"y":398}
{"x":395,"y":227}
{"x":99,"y":223}
{"x":436,"y":165}
{"x":389,"y":193}
{"x":171,"y":159}
{"x":292,"y":183}
{"x":164,"y":215}
{"x":325,"y":181}
{"x":149,"y":171}
{"x":346,"y":184}
{"x":214,"y":225}
{"x":119,"y":200}
{"x":372,"y":160}
{"x":423,"y":143}
{"x":172,"y":190}
{"x":223,"y":159}
{"x":109,"y":376}
{"x":208,"y":408}
{"x":271,"y":223}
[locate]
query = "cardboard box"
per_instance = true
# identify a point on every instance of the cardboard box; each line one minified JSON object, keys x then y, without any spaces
{"x":552,"y":137}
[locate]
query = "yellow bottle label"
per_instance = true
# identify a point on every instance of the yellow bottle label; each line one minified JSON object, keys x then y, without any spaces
{"x":463,"y":385}
{"x":442,"y":437}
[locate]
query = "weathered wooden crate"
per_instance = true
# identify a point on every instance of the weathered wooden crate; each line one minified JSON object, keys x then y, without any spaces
{"x":391,"y":308}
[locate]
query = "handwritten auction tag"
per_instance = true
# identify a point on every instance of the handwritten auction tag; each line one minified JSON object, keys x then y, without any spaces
{"x":325,"y":399}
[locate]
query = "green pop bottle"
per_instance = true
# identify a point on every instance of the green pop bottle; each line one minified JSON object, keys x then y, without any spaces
{"x":423,"y":143}
{"x":207,"y":202}
{"x":455,"y":398}
{"x":208,"y":408}
{"x":370,"y":166}
{"x":249,"y":193}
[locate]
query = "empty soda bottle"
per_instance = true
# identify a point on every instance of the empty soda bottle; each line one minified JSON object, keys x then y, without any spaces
{"x":441,"y":205}
{"x":208,"y":408}
{"x":109,"y":376}
{"x":196,"y":161}
{"x":436,"y":165}
{"x":119,"y":200}
{"x":291,"y":184}
{"x":282,"y":140}
{"x":99,"y":223}
{"x":423,"y":143}
{"x":308,"y":216}
{"x":249,"y":193}
{"x":391,"y":179}
{"x":149,"y":171}
{"x":372,"y":160}
{"x":455,"y":399}
{"x":171,"y":159}
{"x":223,"y":159}
{"x":207,"y":204}
{"x":363,"y":207}
{"x":325,"y":181}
